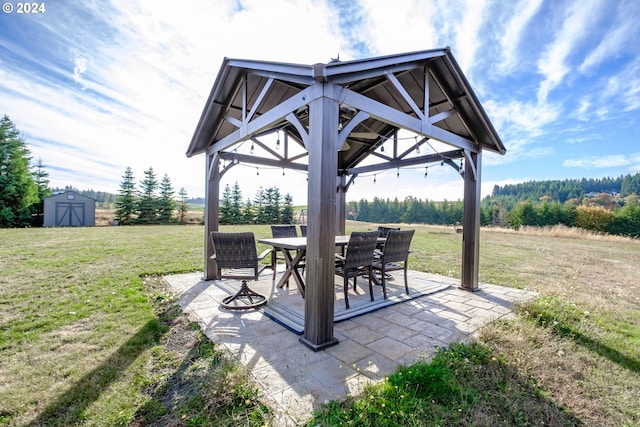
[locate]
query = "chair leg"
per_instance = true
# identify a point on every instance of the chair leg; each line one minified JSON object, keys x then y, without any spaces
{"x":384,"y":282}
{"x":370,"y":285}
{"x":346,"y":291}
{"x":406,"y":283}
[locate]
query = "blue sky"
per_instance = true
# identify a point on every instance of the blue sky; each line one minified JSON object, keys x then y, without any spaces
{"x":96,"y":86}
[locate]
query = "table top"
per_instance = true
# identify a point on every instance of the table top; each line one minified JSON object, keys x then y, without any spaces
{"x":297,"y":243}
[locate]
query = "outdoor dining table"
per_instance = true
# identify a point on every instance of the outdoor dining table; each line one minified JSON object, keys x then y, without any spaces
{"x":288,"y":245}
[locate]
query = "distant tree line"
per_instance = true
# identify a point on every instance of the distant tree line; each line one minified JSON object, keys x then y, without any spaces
{"x":601,"y":209}
{"x":411,"y":210}
{"x":152,"y":203}
{"x":267,"y":207}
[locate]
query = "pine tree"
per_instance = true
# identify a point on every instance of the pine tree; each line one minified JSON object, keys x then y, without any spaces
{"x":40,"y":178}
{"x":287,"y":210}
{"x":18,"y":191}
{"x":236,"y":202}
{"x":225,"y":206}
{"x":166,"y":203}
{"x":183,"y":205}
{"x":248,"y":213}
{"x":148,"y":201}
{"x":126,"y":199}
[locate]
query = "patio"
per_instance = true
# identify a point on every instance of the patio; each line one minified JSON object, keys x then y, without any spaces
{"x":373,"y":342}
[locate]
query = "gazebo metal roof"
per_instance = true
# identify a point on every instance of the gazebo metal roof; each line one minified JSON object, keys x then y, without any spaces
{"x":340,"y":113}
{"x":254,"y":88}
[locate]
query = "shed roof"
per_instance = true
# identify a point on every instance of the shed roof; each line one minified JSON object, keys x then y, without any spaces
{"x":249,"y":89}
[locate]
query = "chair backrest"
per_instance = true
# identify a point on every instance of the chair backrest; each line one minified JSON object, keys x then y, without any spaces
{"x":235,"y":250}
{"x":284,"y":231}
{"x":360,"y":249}
{"x":384,"y":231}
{"x":396,"y":248}
{"x":303,"y":230}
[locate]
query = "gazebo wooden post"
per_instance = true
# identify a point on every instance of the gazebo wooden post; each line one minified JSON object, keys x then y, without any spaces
{"x":212,"y":211}
{"x":341,"y":206}
{"x":471,"y":222}
{"x":321,"y":219}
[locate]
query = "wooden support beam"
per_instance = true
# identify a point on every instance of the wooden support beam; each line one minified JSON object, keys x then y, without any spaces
{"x":321,"y":218}
{"x":471,"y":223}
{"x":212,"y":212}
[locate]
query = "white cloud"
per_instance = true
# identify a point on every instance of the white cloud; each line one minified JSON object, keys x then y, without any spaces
{"x":513,"y":33}
{"x":579,"y":18}
{"x":622,"y":33}
{"x":614,"y":160}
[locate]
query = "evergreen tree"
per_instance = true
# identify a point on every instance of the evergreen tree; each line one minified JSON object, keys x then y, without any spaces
{"x":225,"y":206}
{"x":235,"y":215}
{"x":126,"y":199}
{"x":18,"y":191}
{"x":248,"y":213}
{"x":287,"y":210}
{"x":166,"y":203}
{"x":259,"y":207}
{"x":183,"y":205}
{"x":148,"y":201}
{"x":40,"y":178}
{"x":272,"y":206}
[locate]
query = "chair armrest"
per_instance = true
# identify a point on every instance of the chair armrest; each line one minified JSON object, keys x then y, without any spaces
{"x":265,"y":253}
{"x":212,"y":256}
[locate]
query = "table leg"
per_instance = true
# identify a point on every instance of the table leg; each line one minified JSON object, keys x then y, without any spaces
{"x":292,"y":270}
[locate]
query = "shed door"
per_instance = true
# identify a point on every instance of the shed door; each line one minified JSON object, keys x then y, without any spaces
{"x":69,"y":214}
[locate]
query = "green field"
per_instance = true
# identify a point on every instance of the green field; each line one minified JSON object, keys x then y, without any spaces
{"x":89,"y":336}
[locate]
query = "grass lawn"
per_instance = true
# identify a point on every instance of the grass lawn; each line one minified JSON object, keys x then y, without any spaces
{"x":88,"y":336}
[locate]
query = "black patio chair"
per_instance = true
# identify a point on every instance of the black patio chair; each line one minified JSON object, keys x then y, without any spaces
{"x":384,"y":231}
{"x":357,"y":260}
{"x":303,"y":230}
{"x":278,"y":231}
{"x":236,"y":258}
{"x":394,"y":256}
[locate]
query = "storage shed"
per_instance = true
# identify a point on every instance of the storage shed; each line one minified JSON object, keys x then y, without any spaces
{"x":69,"y":209}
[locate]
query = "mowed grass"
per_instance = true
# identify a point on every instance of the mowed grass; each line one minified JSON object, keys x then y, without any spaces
{"x":88,"y":336}
{"x":81,"y":335}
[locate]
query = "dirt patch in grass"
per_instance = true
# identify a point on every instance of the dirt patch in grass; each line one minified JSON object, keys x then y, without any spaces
{"x":191,"y":381}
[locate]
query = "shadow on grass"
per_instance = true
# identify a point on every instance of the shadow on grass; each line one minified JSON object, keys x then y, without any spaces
{"x":69,"y":408}
{"x":568,"y":331}
{"x":461,"y":385}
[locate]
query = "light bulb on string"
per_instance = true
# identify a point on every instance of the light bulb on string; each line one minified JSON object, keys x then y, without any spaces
{"x":382,"y":148}
{"x":374,"y":178}
{"x":278,"y":142}
{"x":398,"y":173}
{"x":417,"y":146}
{"x":282,"y":171}
{"x":252,"y":147}
{"x":426,"y":172}
{"x":257,"y":171}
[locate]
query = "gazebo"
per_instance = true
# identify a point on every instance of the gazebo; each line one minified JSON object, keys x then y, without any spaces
{"x":341,"y":114}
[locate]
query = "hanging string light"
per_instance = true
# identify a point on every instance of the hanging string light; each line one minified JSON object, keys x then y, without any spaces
{"x":257,"y":171}
{"x":278,"y":141}
{"x":426,"y":171}
{"x":417,"y":146}
{"x":251,"y":147}
{"x":398,"y":173}
{"x":374,"y":178}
